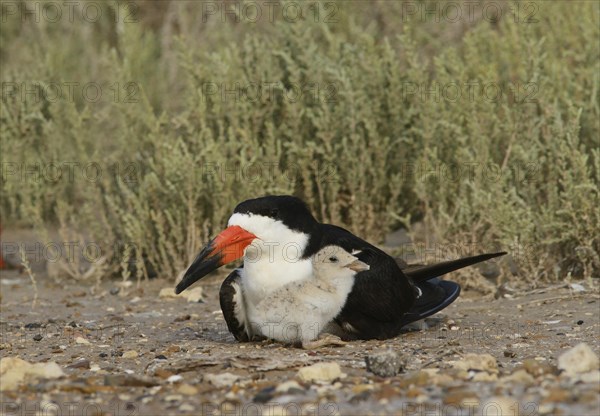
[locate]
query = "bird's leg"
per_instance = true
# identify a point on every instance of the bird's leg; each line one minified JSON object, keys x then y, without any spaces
{"x":323,"y":340}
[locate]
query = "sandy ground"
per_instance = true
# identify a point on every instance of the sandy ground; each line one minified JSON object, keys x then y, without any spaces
{"x":128,"y":351}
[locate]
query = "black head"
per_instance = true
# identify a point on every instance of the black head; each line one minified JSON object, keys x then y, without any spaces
{"x":290,"y":210}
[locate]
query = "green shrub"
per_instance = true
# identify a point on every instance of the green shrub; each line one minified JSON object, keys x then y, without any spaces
{"x":364,"y":144}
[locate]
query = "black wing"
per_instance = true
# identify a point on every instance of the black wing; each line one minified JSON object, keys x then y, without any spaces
{"x":228,"y":294}
{"x":420,"y":272}
{"x":380,"y":296}
{"x":392,"y":294}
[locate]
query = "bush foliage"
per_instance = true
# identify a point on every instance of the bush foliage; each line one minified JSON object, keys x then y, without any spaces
{"x":485,"y":131}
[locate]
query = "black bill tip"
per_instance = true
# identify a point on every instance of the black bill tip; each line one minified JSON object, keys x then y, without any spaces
{"x":204,"y":263}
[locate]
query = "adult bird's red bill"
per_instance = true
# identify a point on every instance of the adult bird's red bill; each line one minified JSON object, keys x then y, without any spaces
{"x":277,"y":236}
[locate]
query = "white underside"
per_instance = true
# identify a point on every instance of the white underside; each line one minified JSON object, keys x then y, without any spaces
{"x":279,"y":296}
{"x":271,"y":262}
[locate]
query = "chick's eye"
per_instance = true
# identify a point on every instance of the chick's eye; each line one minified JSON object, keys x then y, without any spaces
{"x":333,"y":259}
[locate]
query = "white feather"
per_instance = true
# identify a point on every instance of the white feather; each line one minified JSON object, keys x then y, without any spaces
{"x":273,"y":259}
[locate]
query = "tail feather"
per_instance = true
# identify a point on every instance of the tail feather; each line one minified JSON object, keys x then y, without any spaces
{"x":419,"y":272}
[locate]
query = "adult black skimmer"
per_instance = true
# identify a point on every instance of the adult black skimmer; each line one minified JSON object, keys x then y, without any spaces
{"x":277,"y":236}
{"x":298,"y":312}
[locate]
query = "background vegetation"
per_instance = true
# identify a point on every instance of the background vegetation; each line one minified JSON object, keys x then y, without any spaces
{"x":511,"y":163}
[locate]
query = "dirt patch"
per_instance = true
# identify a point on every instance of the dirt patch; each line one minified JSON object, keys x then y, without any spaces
{"x":127,"y":351}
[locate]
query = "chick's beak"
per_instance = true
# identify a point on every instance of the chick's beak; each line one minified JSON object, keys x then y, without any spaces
{"x":358,"y":266}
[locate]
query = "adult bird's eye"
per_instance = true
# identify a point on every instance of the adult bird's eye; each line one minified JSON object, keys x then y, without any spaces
{"x":333,"y":259}
{"x":274,"y":213}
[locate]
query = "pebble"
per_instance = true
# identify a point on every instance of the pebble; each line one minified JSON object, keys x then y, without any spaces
{"x":128,"y":380}
{"x":537,"y":368}
{"x":264,"y":395}
{"x":385,"y":364}
{"x":519,"y":376}
{"x":437,"y":378}
{"x":167,"y":292}
{"x":174,"y":378}
{"x":38,"y":337}
{"x":289,"y":386}
{"x":173,"y":398}
{"x":500,"y":406}
{"x":192,"y":295}
{"x":579,"y":359}
{"x":590,"y":377}
{"x":14,"y":371}
{"x":320,"y":372}
{"x":130,"y":354}
{"x":187,"y":390}
{"x":82,"y":363}
{"x":482,"y":376}
{"x":221,"y":380}
{"x":476,"y":362}
{"x":81,"y":340}
{"x":576,"y":287}
{"x":114,"y":291}
{"x":510,"y":354}
{"x":186,"y":407}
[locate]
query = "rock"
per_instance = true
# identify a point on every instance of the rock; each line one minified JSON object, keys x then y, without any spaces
{"x":14,"y":371}
{"x":182,"y":318}
{"x":437,"y":378}
{"x":221,"y":380}
{"x":186,"y":407}
{"x":385,"y":364}
{"x":417,"y":378}
{"x":476,"y":362}
{"x":510,"y":354}
{"x":81,"y":340}
{"x":264,"y":395}
{"x":500,"y":406}
{"x":320,"y":372}
{"x":38,"y":337}
{"x":167,"y":292}
{"x":579,"y":359}
{"x":127,"y":380}
{"x":590,"y":377}
{"x":192,"y":295}
{"x":82,"y":363}
{"x":114,"y":290}
{"x":519,"y":376}
{"x":537,"y":368}
{"x":173,"y":348}
{"x":130,"y":354}
{"x":173,"y":398}
{"x":484,"y":376}
{"x":174,"y":378}
{"x":576,"y":287}
{"x":290,"y":387}
{"x":187,"y":390}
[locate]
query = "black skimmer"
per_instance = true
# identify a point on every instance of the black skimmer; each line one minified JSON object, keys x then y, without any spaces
{"x":277,"y":236}
{"x":298,"y":312}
